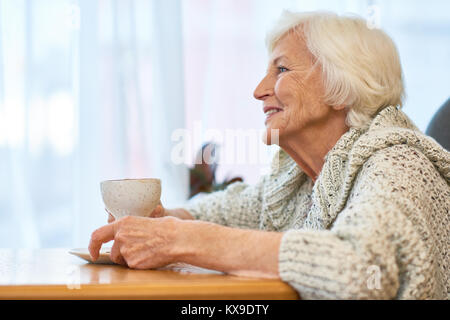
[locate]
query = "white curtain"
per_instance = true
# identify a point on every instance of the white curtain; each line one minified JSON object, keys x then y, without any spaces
{"x":90,"y":90}
{"x":94,"y":89}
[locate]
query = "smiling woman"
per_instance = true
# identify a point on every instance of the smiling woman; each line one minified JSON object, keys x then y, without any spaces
{"x":356,"y":203}
{"x":293,"y":87}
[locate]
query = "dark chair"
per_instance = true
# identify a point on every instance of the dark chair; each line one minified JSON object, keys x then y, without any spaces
{"x":439,"y":127}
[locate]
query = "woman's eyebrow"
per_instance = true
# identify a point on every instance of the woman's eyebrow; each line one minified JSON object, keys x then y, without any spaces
{"x":276,"y":60}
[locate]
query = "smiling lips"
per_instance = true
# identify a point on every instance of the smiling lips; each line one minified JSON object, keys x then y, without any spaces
{"x":270,"y":111}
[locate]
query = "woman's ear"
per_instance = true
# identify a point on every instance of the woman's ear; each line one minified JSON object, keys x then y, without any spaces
{"x":340,"y":107}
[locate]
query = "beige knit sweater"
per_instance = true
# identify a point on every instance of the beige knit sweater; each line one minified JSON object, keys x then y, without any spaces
{"x":375,"y":225}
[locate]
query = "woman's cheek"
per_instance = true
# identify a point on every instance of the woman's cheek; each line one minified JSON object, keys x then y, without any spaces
{"x":282,"y":90}
{"x":289,"y":90}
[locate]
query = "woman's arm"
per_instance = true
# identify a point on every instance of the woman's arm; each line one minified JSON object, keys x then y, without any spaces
{"x":242,"y":252}
{"x":239,"y":205}
{"x":143,"y":243}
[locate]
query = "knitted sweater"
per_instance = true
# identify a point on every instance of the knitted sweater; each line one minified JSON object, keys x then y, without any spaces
{"x":374,"y":225}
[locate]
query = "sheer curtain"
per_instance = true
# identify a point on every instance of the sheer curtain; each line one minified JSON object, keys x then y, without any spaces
{"x":95,"y":89}
{"x":90,"y":90}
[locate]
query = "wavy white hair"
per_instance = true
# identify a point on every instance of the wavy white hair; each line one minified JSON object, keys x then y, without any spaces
{"x":360,"y":65}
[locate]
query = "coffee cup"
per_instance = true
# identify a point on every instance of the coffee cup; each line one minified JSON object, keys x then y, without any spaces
{"x":131,"y":197}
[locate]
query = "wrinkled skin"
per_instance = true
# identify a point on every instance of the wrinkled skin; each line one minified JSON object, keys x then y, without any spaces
{"x":139,"y":242}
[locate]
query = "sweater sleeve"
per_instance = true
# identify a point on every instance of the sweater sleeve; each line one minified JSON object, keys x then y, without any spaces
{"x":239,"y":205}
{"x":359,"y":257}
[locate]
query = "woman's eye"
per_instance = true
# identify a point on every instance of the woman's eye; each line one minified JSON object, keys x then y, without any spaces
{"x":282,"y":69}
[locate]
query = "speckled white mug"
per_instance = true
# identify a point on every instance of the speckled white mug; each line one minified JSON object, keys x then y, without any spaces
{"x":131,"y":197}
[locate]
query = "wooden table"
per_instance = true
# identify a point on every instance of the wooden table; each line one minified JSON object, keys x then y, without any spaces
{"x":55,"y":274}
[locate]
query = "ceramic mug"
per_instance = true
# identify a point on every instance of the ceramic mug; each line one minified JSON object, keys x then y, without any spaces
{"x":131,"y":197}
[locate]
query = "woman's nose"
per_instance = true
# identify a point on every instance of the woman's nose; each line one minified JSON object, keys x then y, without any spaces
{"x":264,"y":89}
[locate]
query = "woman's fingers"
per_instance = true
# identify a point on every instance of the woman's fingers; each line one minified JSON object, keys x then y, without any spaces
{"x":100,"y":236}
{"x":158,"y":212}
{"x":110,"y":218}
{"x":115,"y":255}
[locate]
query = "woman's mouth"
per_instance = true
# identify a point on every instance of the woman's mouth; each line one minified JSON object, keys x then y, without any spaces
{"x":270,"y":112}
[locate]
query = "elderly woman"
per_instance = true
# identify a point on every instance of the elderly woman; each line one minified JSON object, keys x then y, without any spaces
{"x":357,"y":202}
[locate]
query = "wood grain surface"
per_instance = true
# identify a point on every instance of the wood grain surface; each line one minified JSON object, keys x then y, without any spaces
{"x":55,"y":274}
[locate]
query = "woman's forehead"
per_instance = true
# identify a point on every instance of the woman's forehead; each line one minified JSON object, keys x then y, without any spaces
{"x":291,"y":47}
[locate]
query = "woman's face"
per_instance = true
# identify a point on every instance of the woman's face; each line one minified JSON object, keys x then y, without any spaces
{"x":292,"y":92}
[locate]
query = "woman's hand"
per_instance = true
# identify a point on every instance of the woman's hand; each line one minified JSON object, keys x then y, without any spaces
{"x":139,"y":243}
{"x":143,"y":243}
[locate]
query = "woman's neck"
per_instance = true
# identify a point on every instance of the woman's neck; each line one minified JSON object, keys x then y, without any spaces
{"x":309,"y":147}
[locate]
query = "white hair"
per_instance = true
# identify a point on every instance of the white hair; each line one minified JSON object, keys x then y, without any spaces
{"x":361,"y":67}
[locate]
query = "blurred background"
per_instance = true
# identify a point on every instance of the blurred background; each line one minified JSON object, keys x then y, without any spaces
{"x":95,"y":89}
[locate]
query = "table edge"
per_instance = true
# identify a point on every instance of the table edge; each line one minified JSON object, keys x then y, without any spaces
{"x":274,"y":291}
